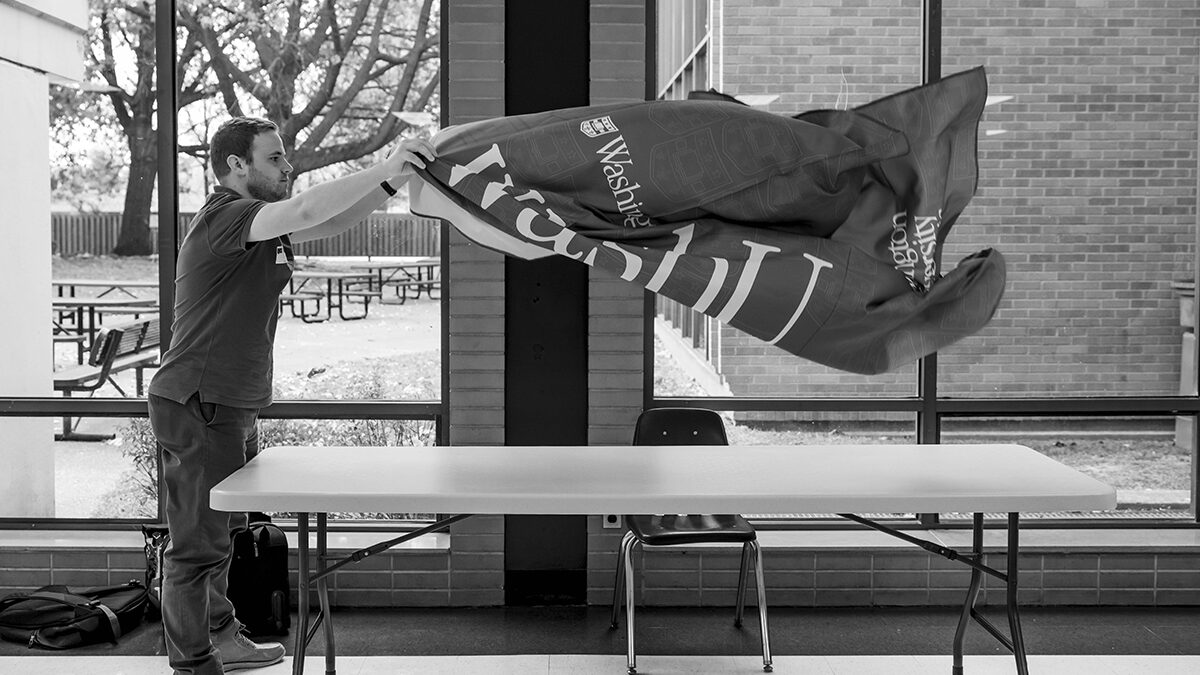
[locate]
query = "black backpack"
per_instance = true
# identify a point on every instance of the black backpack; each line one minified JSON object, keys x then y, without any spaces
{"x":56,"y":617}
{"x":259,"y":586}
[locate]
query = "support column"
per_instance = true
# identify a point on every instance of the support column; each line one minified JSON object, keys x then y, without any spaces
{"x":26,"y":444}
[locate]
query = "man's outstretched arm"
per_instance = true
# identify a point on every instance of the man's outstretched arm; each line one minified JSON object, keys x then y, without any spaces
{"x":344,"y":220}
{"x":330,"y":200}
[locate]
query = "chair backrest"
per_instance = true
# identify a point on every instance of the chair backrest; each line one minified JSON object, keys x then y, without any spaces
{"x":680,"y":426}
{"x":104,"y":347}
{"x":137,"y":336}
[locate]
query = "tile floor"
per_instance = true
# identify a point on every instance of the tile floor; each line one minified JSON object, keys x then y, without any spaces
{"x":588,"y":664}
{"x":577,"y":640}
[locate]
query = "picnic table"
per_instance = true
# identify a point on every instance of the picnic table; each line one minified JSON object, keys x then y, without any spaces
{"x":86,"y":312}
{"x":339,"y":287}
{"x":419,"y":275}
{"x":67,"y":287}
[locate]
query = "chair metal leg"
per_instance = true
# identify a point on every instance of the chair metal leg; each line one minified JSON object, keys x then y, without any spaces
{"x":762,"y":605}
{"x":629,"y":606}
{"x":619,"y":580}
{"x":741,"y":588}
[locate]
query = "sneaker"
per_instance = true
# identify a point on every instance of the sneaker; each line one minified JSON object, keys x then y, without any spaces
{"x":239,"y":652}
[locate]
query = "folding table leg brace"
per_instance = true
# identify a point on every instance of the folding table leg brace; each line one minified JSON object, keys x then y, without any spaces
{"x":307,"y":577}
{"x":1015,"y":644}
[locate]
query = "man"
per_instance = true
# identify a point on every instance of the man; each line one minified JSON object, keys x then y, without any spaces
{"x":216,"y":375}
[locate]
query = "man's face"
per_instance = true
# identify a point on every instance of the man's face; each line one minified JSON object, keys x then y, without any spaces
{"x":270,"y":173}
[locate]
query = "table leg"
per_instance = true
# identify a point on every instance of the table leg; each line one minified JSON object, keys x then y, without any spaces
{"x":323,"y":594}
{"x":972,"y":595}
{"x":1013,"y":571}
{"x":91,"y":323}
{"x":302,"y":595}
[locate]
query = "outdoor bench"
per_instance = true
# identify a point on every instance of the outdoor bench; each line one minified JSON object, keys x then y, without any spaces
{"x":128,"y":346}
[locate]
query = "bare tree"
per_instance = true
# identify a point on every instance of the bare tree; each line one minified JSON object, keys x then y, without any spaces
{"x":122,"y":54}
{"x":331,"y":73}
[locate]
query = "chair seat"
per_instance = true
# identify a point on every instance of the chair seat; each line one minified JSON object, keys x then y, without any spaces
{"x":671,"y":530}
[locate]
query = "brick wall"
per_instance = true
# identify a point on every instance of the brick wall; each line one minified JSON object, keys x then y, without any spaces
{"x":795,"y":577}
{"x":615,"y":308}
{"x":1090,"y":192}
{"x":476,"y":298}
{"x":615,"y":363}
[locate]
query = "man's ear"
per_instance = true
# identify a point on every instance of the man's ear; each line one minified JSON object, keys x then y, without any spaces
{"x":236,"y":164}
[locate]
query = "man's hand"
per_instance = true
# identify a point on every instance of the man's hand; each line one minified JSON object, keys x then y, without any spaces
{"x":409,"y":153}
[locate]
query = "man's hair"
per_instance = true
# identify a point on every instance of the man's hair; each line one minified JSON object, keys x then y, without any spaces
{"x":235,"y":138}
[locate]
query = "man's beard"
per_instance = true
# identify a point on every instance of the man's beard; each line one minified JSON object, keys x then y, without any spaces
{"x":260,"y":187}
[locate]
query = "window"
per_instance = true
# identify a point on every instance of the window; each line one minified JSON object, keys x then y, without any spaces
{"x":359,"y":341}
{"x":1087,"y":164}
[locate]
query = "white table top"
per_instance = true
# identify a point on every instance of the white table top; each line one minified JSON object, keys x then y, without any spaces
{"x":661,"y":479}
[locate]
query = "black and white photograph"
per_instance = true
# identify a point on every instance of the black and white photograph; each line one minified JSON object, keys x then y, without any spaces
{"x":587,"y":337}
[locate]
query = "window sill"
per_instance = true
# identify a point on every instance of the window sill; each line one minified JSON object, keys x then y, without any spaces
{"x":110,"y":540}
{"x":1126,"y":540}
{"x":1182,"y":540}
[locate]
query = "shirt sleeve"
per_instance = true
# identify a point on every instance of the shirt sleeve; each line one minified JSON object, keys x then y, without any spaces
{"x":229,"y":234}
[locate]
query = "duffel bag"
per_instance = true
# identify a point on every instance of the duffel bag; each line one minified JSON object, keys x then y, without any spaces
{"x":56,"y":617}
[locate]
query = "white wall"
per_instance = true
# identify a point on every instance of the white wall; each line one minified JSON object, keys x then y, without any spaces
{"x":39,"y":39}
{"x":45,"y":35}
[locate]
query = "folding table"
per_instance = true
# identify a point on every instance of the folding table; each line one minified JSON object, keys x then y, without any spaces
{"x":842,"y":479}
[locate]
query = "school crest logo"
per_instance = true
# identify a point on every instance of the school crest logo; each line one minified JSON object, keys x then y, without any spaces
{"x":598,"y":126}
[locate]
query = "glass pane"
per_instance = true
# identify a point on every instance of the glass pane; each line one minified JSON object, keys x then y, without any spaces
{"x":392,"y":353}
{"x":784,"y":60}
{"x":358,"y":433}
{"x":103,"y":174}
{"x":1147,"y":460}
{"x":361,"y":318}
{"x":818,"y":428}
{"x":104,"y":468}
{"x":1087,"y":161}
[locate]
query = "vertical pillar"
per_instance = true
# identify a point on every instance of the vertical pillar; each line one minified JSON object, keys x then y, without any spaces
{"x":26,"y":444}
{"x":622,"y":67}
{"x":546,"y":341}
{"x":473,"y":89}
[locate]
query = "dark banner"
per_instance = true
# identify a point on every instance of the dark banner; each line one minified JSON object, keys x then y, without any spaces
{"x":820,"y":233}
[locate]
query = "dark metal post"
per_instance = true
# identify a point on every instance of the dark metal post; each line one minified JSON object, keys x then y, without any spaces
{"x":1013,"y":572}
{"x":323,"y":593}
{"x":168,"y":197}
{"x":931,"y":41}
{"x":928,"y":422}
{"x":972,"y":594}
{"x":301,"y":594}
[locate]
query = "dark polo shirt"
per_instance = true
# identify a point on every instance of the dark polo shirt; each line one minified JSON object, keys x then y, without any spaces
{"x":226,"y":308}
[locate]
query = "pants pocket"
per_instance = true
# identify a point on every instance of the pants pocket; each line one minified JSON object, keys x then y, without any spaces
{"x":206,"y":410}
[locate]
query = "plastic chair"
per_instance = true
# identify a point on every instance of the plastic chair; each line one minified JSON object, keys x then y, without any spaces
{"x":686,"y":426}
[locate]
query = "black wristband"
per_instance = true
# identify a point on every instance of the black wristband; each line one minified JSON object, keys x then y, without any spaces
{"x":387,"y":187}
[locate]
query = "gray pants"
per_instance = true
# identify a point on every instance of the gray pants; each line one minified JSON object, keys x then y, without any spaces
{"x":202,"y":443}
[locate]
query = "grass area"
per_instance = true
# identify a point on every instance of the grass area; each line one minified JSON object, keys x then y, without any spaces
{"x":105,"y":267}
